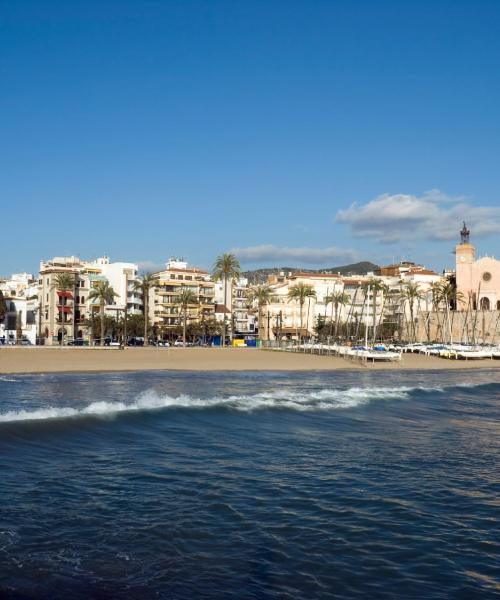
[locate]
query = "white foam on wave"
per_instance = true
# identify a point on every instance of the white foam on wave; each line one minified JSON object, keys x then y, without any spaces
{"x":312,"y":400}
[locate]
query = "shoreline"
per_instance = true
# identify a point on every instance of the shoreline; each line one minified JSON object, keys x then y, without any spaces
{"x":37,"y":360}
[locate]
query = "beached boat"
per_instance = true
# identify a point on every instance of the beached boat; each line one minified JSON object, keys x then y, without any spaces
{"x":470,"y":352}
{"x":374,"y":355}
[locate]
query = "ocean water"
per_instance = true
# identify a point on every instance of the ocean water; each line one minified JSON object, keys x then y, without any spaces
{"x":250,"y":485}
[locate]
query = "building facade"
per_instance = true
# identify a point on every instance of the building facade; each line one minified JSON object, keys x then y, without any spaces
{"x":64,"y":313}
{"x":477,"y":279}
{"x":20,"y":294}
{"x":165,"y":311}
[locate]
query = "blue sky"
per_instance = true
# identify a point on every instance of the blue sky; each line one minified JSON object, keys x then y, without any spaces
{"x":305,"y":133}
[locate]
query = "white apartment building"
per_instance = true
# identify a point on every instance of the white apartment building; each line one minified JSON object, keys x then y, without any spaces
{"x":241,"y":321}
{"x":284,"y":318}
{"x":21,"y":300}
{"x":121,"y":277}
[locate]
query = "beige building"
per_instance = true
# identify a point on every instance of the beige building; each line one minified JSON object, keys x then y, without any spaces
{"x":477,"y":279}
{"x":63,"y":313}
{"x":165,"y":311}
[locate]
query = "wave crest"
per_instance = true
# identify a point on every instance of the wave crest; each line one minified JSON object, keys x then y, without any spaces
{"x":315,"y":400}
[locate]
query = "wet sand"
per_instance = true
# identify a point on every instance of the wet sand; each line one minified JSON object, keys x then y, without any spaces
{"x":56,"y":359}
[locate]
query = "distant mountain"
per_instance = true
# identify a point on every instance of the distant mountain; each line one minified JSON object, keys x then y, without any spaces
{"x":359,"y":268}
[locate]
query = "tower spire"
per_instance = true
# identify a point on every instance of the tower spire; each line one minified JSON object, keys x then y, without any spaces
{"x":465,"y":234}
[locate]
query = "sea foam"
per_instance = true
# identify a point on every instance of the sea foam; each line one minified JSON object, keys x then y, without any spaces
{"x":310,"y":400}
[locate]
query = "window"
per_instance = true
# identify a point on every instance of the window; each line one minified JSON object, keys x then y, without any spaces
{"x":485,"y":304}
{"x":486,"y":276}
{"x":82,"y":300}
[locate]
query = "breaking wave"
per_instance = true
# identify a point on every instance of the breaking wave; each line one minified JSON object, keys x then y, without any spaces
{"x":319,"y":400}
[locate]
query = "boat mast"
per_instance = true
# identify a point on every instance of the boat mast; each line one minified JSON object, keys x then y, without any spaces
{"x":368,"y":313}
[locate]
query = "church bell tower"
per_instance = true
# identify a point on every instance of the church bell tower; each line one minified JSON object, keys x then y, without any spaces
{"x":465,"y":256}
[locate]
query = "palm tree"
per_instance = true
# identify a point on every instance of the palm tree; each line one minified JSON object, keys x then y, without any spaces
{"x":19,"y":327}
{"x":384,"y":289}
{"x":3,"y":307}
{"x":64,"y":282}
{"x":375,"y":286}
{"x":261,"y":295}
{"x":411,"y":293}
{"x":300,"y":292}
{"x":104,"y":294}
{"x":185,"y":298}
{"x":227,"y":268}
{"x":144,"y":284}
{"x":436,"y":293}
{"x":450,"y":296}
{"x":336,"y":299}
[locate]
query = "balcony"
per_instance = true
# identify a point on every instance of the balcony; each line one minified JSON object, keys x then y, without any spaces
{"x":64,"y":309}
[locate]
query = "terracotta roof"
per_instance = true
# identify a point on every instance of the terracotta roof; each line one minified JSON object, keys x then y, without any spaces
{"x":317,"y":275}
{"x":191,"y":270}
{"x":422,"y":272}
{"x":221,"y":309}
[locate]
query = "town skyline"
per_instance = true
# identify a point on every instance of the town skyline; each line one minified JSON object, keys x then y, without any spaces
{"x":318,"y":262}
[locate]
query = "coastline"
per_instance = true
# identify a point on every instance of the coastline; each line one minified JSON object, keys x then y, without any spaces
{"x":26,"y":360}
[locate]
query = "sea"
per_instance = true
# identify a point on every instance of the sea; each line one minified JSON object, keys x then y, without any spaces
{"x":247,"y":485}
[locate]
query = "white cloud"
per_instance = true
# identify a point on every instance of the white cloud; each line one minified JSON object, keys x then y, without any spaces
{"x":434,"y":216}
{"x":269,"y":253}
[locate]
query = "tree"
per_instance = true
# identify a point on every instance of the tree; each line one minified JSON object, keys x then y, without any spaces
{"x":450,"y":296}
{"x":411,"y":293}
{"x":135,"y":325}
{"x":300,"y":293}
{"x":94,"y":323}
{"x":211,"y":327}
{"x":384,"y":289}
{"x":436,"y":289}
{"x":3,"y":307}
{"x":226,"y":268}
{"x":375,"y":286}
{"x":185,"y":299}
{"x":64,"y":282}
{"x":144,"y":284}
{"x":104,"y":294}
{"x":336,"y":299}
{"x":19,"y":328}
{"x":260,"y":295}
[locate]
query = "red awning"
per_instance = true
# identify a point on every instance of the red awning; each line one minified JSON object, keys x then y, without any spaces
{"x":65,"y":294}
{"x":64,"y":309}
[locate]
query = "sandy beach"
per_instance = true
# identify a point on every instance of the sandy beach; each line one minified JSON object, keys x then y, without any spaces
{"x":56,"y":359}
